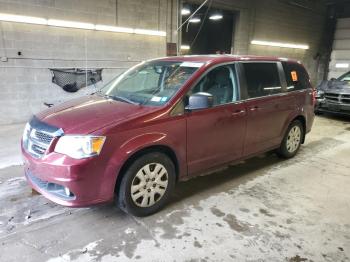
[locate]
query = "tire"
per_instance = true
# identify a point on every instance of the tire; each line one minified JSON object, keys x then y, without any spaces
{"x":147,"y":185}
{"x":292,"y":140}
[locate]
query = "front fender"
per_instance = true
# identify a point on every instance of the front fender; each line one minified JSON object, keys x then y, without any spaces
{"x":141,"y":142}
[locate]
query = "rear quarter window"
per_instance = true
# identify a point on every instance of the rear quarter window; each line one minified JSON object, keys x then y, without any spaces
{"x":296,"y":76}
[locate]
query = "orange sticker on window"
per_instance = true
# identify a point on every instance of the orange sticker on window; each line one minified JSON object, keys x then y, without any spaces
{"x":294,"y":76}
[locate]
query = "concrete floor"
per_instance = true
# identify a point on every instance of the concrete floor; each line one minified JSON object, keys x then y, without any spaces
{"x":265,"y":209}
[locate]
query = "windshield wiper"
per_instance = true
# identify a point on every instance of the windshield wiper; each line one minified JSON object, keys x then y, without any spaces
{"x":124,"y":99}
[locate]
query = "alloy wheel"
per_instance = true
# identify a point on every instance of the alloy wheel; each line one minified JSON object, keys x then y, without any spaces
{"x":149,"y":185}
{"x":293,"y":139}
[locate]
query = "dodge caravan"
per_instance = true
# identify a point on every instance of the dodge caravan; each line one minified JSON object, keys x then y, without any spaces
{"x":163,"y":121}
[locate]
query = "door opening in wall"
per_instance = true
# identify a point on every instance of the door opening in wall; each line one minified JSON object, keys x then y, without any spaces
{"x":209,"y":31}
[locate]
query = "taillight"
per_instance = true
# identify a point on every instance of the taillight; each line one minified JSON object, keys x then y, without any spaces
{"x":314,"y":92}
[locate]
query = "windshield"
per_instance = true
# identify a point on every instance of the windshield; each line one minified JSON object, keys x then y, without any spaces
{"x":150,"y":83}
{"x":345,"y":77}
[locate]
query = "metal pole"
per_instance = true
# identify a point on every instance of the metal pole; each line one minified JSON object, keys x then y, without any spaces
{"x":192,"y":14}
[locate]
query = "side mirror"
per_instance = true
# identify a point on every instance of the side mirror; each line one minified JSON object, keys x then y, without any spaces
{"x":333,"y":79}
{"x":199,"y":100}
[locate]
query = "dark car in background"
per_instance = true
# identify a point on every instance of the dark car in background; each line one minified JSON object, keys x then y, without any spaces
{"x":334,"y":96}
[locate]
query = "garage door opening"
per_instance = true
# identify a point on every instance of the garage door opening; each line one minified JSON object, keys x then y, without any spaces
{"x":209,"y":31}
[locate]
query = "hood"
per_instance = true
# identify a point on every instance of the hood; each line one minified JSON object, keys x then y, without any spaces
{"x":335,"y":86}
{"x":89,"y":113}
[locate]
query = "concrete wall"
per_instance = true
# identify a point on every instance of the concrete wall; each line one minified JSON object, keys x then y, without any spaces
{"x":25,"y":80}
{"x":279,"y":21}
{"x":244,"y":23}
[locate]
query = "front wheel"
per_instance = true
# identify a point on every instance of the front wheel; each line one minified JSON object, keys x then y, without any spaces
{"x":292,"y":140}
{"x":147,"y":184}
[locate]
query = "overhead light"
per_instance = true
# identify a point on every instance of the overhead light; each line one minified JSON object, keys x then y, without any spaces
{"x":71,"y":24}
{"x":342,"y":65}
{"x":116,"y":29}
{"x":277,"y":44}
{"x":185,"y":11}
{"x":185,"y":47}
{"x":195,"y":20}
{"x":149,"y":32}
{"x":77,"y":25}
{"x":23,"y":19}
{"x":216,"y":17}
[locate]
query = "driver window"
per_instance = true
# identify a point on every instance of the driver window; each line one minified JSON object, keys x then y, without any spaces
{"x":221,"y":83}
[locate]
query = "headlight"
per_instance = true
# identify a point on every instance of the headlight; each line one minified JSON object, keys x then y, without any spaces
{"x":319,"y":94}
{"x":80,"y":146}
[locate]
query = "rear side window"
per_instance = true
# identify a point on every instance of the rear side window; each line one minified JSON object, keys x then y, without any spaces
{"x":262,"y":79}
{"x":296,"y":77}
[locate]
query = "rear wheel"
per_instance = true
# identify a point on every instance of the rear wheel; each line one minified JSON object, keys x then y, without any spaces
{"x":147,"y":184}
{"x":292,"y":140}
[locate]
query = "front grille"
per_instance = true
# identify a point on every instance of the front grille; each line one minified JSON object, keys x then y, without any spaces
{"x":338,"y":98}
{"x":52,"y":188}
{"x":38,"y":137}
{"x":345,"y":98}
{"x":36,"y":142}
{"x":38,"y":149}
{"x":37,"y":181}
{"x":42,"y":137}
{"x":332,"y":97}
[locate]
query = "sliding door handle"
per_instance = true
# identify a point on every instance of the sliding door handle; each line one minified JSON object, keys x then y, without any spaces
{"x":254,"y":108}
{"x":239,"y":112}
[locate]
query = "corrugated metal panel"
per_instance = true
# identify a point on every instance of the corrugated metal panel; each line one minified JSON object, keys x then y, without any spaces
{"x":341,"y":44}
{"x":340,"y":55}
{"x":341,"y":49}
{"x":343,"y":23}
{"x":278,"y":21}
{"x":342,"y":34}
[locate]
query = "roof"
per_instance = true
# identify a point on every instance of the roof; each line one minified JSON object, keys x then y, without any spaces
{"x":224,"y":58}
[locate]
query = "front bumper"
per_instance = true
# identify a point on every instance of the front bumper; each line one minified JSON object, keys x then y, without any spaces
{"x":322,"y":105}
{"x":87,"y":180}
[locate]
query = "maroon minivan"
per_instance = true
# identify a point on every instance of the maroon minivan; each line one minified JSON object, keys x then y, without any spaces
{"x":166,"y":120}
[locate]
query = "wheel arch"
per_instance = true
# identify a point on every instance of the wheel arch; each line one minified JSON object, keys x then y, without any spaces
{"x":149,"y":149}
{"x":302,"y":119}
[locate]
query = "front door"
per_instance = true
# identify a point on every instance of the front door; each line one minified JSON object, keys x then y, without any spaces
{"x":215,"y":136}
